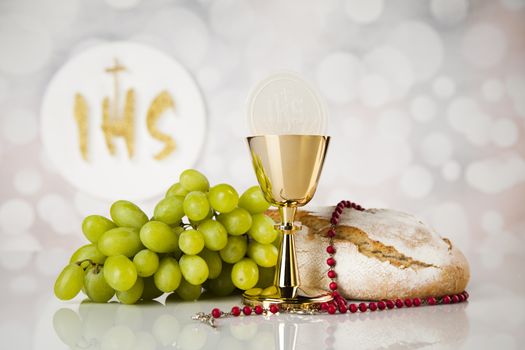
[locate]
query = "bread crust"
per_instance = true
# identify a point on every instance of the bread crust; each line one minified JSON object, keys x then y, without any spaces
{"x":381,"y":254}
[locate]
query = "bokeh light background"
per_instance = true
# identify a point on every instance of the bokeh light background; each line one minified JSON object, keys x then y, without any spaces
{"x":426,"y":103}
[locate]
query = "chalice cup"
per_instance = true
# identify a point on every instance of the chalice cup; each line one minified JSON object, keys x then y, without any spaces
{"x":288,"y":169}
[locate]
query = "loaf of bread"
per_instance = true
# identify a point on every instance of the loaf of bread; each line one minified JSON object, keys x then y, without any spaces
{"x":380,"y":254}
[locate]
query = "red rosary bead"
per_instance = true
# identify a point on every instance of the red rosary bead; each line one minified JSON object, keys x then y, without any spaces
{"x":342,"y":308}
{"x":236,"y":311}
{"x":431,"y":301}
{"x":465,"y":293}
{"x":446,"y":299}
{"x":331,"y":309}
{"x":362,"y":307}
{"x":247,"y":310}
{"x":334,"y":221}
{"x":416,"y":302}
{"x":372,"y":306}
{"x":324,"y":306}
{"x":352,"y":308}
{"x":461,"y":297}
{"x":330,"y":249}
{"x":330,"y":261}
{"x":381,"y":305}
{"x":331,"y":233}
{"x":331,"y":274}
{"x":390,"y":304}
{"x":258,"y":309}
{"x":274,"y":309}
{"x":333,"y":286}
{"x":399,"y":303}
{"x":408,"y":302}
{"x":455,"y":299}
{"x":216,"y":313}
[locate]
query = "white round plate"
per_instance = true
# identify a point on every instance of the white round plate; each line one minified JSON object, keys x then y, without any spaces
{"x":148,"y":72}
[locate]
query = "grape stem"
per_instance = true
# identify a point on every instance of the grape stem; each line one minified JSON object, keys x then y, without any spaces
{"x":94,"y":264}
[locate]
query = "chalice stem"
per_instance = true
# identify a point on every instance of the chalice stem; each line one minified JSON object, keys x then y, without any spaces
{"x":286,"y":272}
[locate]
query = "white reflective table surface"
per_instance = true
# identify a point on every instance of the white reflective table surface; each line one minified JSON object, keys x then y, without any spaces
{"x":490,"y":319}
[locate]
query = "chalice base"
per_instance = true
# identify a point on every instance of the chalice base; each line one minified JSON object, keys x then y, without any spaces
{"x":302,"y":300}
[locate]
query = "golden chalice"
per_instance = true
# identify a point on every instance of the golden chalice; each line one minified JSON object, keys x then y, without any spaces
{"x":288,"y":169}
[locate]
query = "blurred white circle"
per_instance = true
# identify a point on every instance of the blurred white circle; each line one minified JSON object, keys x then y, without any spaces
{"x":23,"y":285}
{"x":26,"y":45}
{"x":27,"y":181}
{"x":15,"y":260}
{"x":451,"y":170}
{"x":515,"y":85}
{"x":416,"y":181}
{"x":51,"y":261}
{"x":466,"y":117}
{"x":504,"y":132}
{"x":513,"y":5}
{"x":444,"y":87}
{"x":123,"y":4}
{"x":16,"y":216}
{"x":496,"y":174}
{"x":55,"y":15}
{"x":338,"y":75}
{"x":54,"y":209}
{"x":492,"y":221}
{"x":89,"y":205}
{"x":450,"y":220}
{"x":492,"y":90}
{"x":186,"y":30}
{"x":475,"y":45}
{"x":391,"y":64}
{"x":374,"y":90}
{"x":232,"y":19}
{"x":449,"y":11}
{"x":421,"y":45}
{"x":436,"y":148}
{"x":21,"y":242}
{"x":364,"y":11}
{"x":393,"y":124}
{"x":423,"y":108}
{"x":19,"y":126}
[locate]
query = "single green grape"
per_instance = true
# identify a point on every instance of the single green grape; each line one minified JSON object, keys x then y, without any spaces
{"x":253,"y":200}
{"x":159,"y":237}
{"x":196,"y":205}
{"x":194,"y":269}
{"x":196,"y":223}
{"x":191,"y":242}
{"x":214,"y":262}
{"x":127,"y":214}
{"x":168,"y":275}
{"x":193,"y":180}
{"x":169,"y":210}
{"x":234,"y":250}
{"x":266,"y":277}
{"x":214,"y":233}
{"x":262,"y":229}
{"x":222,"y":285}
{"x":264,"y":255}
{"x":176,"y":190}
{"x":94,"y":226}
{"x":132,"y":295}
{"x":67,"y":326}
{"x":146,"y":262}
{"x":150,"y":291}
{"x":88,"y":251}
{"x":236,"y":222}
{"x":69,"y":282}
{"x":95,"y":285}
{"x":223,"y":198}
{"x":245,"y":274}
{"x":188,"y":291}
{"x":120,"y":272}
{"x":120,"y":241}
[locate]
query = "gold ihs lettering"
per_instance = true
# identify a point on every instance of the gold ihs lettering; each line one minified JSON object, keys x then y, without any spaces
{"x":113,"y":124}
{"x":81,"y":116}
{"x":159,"y":105}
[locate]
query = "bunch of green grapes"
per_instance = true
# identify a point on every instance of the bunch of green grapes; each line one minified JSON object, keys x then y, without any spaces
{"x":199,"y":238}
